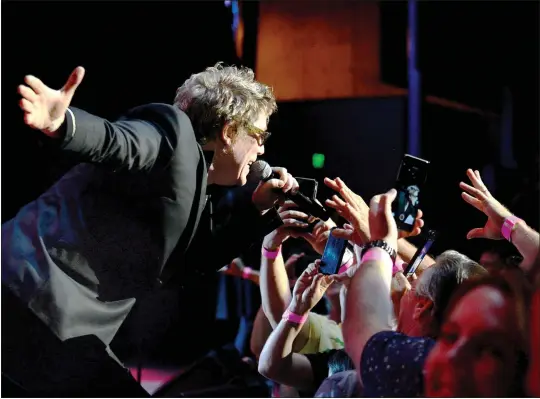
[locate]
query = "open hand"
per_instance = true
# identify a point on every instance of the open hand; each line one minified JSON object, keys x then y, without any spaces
{"x":309,"y":289}
{"x":45,"y":108}
{"x":480,"y":197}
{"x":353,"y":208}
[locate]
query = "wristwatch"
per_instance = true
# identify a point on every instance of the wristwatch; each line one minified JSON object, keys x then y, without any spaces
{"x":383,"y":245}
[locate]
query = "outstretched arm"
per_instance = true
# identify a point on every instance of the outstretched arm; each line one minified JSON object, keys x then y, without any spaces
{"x":144,"y":138}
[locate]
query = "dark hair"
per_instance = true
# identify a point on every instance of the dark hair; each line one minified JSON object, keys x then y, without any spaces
{"x":339,"y":361}
{"x":439,"y":281}
{"x":511,"y":284}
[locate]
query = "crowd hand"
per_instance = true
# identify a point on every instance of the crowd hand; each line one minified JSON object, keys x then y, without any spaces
{"x":400,"y":284}
{"x":417,"y":228}
{"x":269,"y":193}
{"x":381,"y":222}
{"x":235,"y":268}
{"x":291,"y":218}
{"x":291,"y":261}
{"x":319,"y":236}
{"x":479,"y":196}
{"x":353,"y":208}
{"x":45,"y":108}
{"x":309,"y":289}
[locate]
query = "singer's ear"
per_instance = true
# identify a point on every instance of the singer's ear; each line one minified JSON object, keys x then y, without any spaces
{"x":228,"y":133}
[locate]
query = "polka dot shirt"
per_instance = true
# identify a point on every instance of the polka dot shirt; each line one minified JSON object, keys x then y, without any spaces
{"x":392,"y":363}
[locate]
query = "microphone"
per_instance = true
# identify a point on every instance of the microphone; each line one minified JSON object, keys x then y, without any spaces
{"x":261,"y":170}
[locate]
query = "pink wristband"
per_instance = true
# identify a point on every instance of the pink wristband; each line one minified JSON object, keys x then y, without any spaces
{"x":271,"y":254}
{"x":344,"y":267}
{"x":398,"y":266}
{"x":508,"y":226}
{"x":293,"y":317}
{"x":246,"y":272}
{"x":378,"y":254}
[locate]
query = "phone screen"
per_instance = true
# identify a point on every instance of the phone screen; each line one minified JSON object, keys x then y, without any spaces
{"x":420,"y":254}
{"x":333,"y":254}
{"x":411,"y":178}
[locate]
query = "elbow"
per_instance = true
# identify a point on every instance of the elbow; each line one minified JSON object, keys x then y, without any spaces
{"x":269,"y":367}
{"x":265,"y":368}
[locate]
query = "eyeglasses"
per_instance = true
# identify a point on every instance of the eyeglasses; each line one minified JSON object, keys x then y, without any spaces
{"x":261,"y":135}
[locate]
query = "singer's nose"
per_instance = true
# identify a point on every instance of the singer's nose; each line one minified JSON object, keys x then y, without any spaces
{"x":261,"y":150}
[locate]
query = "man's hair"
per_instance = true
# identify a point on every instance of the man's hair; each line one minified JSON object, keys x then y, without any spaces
{"x":222,"y":94}
{"x":439,"y":281}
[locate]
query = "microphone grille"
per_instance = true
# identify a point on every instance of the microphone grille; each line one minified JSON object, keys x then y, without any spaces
{"x":258,"y":171}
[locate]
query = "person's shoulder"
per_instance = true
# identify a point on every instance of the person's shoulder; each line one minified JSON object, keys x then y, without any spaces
{"x":388,"y":354}
{"x":166,"y":116}
{"x":384,"y":339}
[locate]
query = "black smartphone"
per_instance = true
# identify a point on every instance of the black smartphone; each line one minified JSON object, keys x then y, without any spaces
{"x":333,"y":254}
{"x":420,"y":254}
{"x":411,"y":178}
{"x":308,"y":187}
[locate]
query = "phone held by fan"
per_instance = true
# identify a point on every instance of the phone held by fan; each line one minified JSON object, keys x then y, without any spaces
{"x":333,"y":254}
{"x":411,"y":178}
{"x":420,"y":254}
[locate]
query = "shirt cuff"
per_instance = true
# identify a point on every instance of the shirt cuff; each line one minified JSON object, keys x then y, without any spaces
{"x":72,"y":141}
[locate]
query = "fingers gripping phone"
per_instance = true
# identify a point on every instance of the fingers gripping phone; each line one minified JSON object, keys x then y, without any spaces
{"x":333,"y":254}
{"x":420,"y":254}
{"x":411,"y":178}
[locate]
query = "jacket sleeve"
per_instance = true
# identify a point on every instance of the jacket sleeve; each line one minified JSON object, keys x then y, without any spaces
{"x":141,"y":140}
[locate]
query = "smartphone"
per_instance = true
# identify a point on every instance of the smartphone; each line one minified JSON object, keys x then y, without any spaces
{"x":411,"y":178}
{"x":333,"y":254}
{"x":420,"y":254}
{"x":308,"y":187}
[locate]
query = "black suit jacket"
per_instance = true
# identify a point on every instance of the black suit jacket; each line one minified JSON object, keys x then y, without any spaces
{"x":120,"y":223}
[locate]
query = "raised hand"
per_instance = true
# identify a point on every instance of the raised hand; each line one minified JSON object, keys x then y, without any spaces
{"x":291,"y":218}
{"x":479,"y":196}
{"x":309,"y":289}
{"x":45,"y":108}
{"x":291,"y":261}
{"x":381,"y":222}
{"x":417,"y":228}
{"x":353,"y":208}
{"x":235,"y":268}
{"x":319,"y":236}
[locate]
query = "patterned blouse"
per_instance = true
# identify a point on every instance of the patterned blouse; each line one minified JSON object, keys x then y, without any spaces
{"x":392,"y":364}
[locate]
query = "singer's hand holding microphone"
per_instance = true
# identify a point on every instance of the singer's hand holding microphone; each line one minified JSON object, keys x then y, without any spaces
{"x":276,"y":185}
{"x":273,"y":184}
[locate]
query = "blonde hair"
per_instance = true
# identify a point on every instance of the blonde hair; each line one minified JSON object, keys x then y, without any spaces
{"x":222,"y":94}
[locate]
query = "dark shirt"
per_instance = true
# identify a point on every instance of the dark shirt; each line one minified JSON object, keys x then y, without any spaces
{"x":391,"y":365}
{"x":325,"y":363}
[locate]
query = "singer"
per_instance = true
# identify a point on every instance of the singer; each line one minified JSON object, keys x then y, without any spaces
{"x":125,"y":220}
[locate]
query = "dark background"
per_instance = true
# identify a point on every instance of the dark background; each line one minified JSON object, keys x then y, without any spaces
{"x":136,"y":53}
